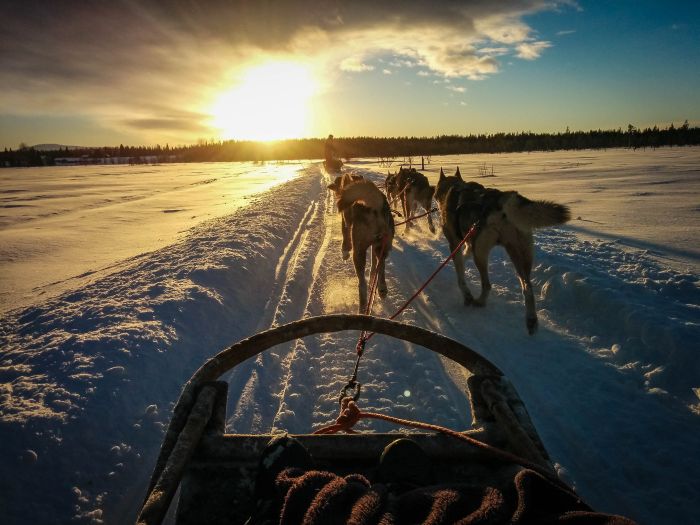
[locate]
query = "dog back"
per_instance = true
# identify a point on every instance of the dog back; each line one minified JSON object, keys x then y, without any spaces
{"x":363,"y":191}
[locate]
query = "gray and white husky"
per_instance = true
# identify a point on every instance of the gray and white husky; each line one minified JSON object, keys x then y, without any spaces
{"x":503,"y":218}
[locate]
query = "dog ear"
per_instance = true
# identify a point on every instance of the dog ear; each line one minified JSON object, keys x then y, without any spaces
{"x":458,"y":174}
{"x":442,"y":174}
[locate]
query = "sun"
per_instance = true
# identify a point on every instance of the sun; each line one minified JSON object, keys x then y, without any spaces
{"x":271,"y":102}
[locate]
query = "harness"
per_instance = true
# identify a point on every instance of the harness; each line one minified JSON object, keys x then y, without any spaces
{"x":474,"y":203}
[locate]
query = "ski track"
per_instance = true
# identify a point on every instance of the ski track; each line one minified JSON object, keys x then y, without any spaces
{"x":99,"y":347}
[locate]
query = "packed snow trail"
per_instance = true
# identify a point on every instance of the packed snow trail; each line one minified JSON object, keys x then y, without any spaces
{"x":89,"y":378}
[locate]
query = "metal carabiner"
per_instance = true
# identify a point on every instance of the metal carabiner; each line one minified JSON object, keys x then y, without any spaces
{"x":352,"y":390}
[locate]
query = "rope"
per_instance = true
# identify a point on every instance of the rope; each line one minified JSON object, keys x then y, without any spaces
{"x":360,"y":346}
{"x":416,"y":217}
{"x":352,"y":383}
{"x":398,"y":195}
{"x":350,"y":414}
{"x":468,"y":236}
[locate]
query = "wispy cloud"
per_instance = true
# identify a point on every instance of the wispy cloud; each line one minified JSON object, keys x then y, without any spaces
{"x":355,"y":65}
{"x":457,"y":89}
{"x":531,"y":50}
{"x":565,"y":32}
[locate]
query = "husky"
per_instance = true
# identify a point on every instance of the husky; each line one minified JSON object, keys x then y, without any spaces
{"x":391,"y":184}
{"x":412,"y":188}
{"x":343,"y":180}
{"x":503,"y":218}
{"x":366,"y":222}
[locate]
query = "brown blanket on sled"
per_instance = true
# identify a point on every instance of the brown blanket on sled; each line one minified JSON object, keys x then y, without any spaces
{"x":322,"y":498}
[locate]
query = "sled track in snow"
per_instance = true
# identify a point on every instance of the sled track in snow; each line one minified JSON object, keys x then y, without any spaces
{"x":295,"y":274}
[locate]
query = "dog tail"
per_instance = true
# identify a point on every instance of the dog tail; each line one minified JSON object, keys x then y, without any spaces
{"x":527,"y":214}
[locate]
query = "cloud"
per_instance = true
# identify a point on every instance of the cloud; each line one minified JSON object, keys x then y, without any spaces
{"x":169,"y":124}
{"x":565,"y":32}
{"x":355,"y":65}
{"x":149,"y":60}
{"x":531,"y":50}
{"x":457,"y":89}
{"x":386,"y":71}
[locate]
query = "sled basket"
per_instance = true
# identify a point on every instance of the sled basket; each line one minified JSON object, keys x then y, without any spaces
{"x":216,"y":471}
{"x":333,"y":165}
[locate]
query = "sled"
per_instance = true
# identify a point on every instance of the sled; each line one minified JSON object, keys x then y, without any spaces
{"x":333,"y":165}
{"x":216,"y":471}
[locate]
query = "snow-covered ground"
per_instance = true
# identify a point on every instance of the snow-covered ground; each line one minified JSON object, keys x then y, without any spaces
{"x":93,"y":360}
{"x":65,"y":226}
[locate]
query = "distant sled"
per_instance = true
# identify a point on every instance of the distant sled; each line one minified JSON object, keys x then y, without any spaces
{"x":216,"y":472}
{"x":333,"y":165}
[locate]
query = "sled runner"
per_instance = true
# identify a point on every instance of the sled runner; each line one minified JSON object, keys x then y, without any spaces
{"x":216,"y":471}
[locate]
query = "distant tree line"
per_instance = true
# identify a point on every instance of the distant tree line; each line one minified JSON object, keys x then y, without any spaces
{"x":354,"y":147}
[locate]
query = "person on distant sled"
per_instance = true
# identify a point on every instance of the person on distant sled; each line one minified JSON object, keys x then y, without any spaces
{"x":405,"y":489}
{"x":331,"y":163}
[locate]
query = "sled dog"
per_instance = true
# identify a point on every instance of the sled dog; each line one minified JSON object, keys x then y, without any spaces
{"x":341,"y":180}
{"x":366,"y":222}
{"x":392,"y":189}
{"x":503,"y":218}
{"x":412,"y":188}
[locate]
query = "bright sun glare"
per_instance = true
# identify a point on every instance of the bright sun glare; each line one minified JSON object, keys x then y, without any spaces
{"x":272,"y":102}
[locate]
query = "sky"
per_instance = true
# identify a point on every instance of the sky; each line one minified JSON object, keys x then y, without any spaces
{"x":178,"y":72}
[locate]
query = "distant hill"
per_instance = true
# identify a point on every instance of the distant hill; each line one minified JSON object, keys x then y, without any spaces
{"x":54,"y":147}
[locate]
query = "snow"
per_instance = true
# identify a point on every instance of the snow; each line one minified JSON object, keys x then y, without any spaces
{"x":111,"y":300}
{"x":63,"y":226}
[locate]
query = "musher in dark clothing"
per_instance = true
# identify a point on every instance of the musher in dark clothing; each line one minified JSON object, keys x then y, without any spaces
{"x":331,"y":162}
{"x":329,"y":149}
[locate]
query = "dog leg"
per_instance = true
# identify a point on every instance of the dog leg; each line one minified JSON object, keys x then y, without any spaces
{"x":379,"y":265}
{"x":347,"y":245}
{"x":406,"y":210}
{"x":521,"y":255}
{"x":459,"y":268}
{"x":359,"y":259}
{"x":430,"y":218}
{"x":481,"y":260}
{"x":458,"y":260}
{"x":410,"y":205}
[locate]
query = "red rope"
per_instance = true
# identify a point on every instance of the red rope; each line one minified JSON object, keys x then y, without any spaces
{"x":398,"y":195}
{"x":416,"y":217}
{"x":468,"y":236}
{"x":350,"y":414}
{"x":372,"y":293}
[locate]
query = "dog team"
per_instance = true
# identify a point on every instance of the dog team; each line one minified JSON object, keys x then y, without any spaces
{"x":503,"y":218}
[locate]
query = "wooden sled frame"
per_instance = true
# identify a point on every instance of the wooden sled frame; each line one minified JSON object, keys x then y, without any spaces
{"x":219,"y":468}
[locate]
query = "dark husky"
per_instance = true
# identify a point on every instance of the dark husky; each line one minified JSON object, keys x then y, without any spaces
{"x":412,"y":188}
{"x":501,"y":217}
{"x":366,"y":222}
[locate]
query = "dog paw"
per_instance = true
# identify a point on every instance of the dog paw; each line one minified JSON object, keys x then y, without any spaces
{"x":383,"y":292}
{"x":531,"y":325}
{"x":346,"y":255}
{"x":468,"y":300}
{"x":479,"y":302}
